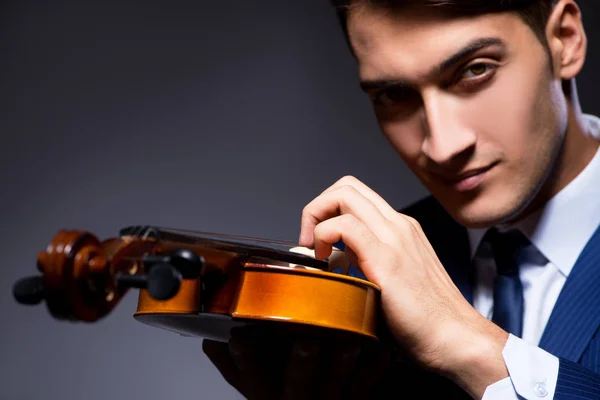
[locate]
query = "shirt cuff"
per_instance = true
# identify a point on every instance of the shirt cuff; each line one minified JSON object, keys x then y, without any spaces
{"x":533,"y":373}
{"x":501,"y":390}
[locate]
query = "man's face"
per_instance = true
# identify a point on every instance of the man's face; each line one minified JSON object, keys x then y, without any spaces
{"x":469,"y":104}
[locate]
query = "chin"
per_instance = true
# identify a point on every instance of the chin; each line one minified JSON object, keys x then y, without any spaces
{"x":484,"y":211}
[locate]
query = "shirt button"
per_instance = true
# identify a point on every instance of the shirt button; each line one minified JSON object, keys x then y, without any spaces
{"x":540,"y":389}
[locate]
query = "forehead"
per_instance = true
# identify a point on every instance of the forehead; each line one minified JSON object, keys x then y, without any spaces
{"x":416,"y":39}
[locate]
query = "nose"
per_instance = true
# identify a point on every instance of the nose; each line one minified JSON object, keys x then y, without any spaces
{"x":447,"y":135}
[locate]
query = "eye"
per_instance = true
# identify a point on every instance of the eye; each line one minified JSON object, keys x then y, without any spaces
{"x":476,"y":74}
{"x":477,"y":69}
{"x":393,"y":96}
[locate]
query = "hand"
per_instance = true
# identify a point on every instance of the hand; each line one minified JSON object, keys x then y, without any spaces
{"x":268,"y":367}
{"x":424,"y":310}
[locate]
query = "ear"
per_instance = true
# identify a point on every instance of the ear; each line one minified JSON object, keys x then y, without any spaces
{"x":567,"y":39}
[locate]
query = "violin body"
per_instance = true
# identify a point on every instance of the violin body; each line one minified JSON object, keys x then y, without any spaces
{"x":197,"y":285}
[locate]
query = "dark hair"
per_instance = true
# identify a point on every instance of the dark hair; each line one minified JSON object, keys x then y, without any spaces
{"x":534,"y":13}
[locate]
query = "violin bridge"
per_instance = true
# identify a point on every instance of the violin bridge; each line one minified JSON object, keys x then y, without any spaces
{"x":337,"y":261}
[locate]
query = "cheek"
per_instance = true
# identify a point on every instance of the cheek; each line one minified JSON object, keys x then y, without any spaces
{"x":406,"y":137}
{"x":512,"y":117}
{"x":505,"y":110}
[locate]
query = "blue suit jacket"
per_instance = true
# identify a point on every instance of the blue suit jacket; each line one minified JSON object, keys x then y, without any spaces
{"x":573,"y":330}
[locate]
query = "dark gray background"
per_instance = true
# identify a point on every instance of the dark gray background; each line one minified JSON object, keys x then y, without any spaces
{"x":214,"y":116}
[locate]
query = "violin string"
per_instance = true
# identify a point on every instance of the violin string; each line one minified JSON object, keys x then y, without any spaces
{"x":145,"y":233}
{"x":237,"y":237}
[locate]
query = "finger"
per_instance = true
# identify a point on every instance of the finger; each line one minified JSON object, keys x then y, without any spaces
{"x":386,"y":210}
{"x":367,"y":247}
{"x":340,"y":365}
{"x":339,"y":201}
{"x":383,"y":206}
{"x":344,"y":227}
{"x":301,"y":371}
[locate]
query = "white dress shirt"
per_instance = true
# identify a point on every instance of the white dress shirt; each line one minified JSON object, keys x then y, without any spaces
{"x":575,"y":210}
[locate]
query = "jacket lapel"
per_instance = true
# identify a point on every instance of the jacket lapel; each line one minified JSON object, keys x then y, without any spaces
{"x":449,"y":240}
{"x":453,"y":250}
{"x":576,"y":315}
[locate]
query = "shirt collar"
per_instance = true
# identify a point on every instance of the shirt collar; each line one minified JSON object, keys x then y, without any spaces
{"x":575,"y":211}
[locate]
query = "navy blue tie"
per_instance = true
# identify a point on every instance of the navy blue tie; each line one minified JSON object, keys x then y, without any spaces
{"x":508,"y":290}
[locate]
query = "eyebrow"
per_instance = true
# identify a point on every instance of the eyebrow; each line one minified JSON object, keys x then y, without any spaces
{"x":470,"y":48}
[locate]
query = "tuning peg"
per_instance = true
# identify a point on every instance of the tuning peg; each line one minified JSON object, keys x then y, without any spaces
{"x":188,"y":263}
{"x":164,"y":273}
{"x":162,"y":281}
{"x":29,"y":290}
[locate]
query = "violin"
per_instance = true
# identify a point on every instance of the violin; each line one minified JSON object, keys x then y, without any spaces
{"x":202,"y":284}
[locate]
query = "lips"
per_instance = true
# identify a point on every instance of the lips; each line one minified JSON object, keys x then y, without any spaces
{"x":467,"y":180}
{"x":469,"y":174}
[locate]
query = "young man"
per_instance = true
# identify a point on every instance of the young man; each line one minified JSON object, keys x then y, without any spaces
{"x":478,"y":98}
